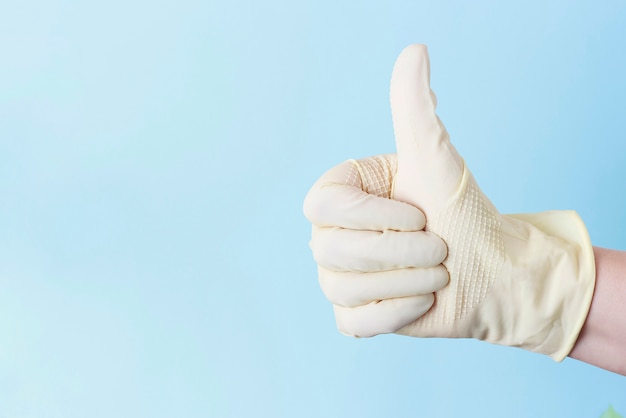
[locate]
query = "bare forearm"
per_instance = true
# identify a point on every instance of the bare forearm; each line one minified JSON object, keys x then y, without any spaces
{"x":602,"y":341}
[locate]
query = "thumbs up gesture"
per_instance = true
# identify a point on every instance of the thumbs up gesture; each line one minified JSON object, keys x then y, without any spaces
{"x":409,"y":244}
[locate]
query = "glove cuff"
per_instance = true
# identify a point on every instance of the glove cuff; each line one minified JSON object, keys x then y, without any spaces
{"x":563,"y":264}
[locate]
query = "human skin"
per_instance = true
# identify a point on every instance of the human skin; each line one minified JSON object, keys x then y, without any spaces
{"x":602,"y":340}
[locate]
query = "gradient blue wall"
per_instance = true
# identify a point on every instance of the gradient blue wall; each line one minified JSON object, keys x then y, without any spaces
{"x":153,"y":161}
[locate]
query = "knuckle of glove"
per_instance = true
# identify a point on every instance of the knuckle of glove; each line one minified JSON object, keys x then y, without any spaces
{"x":326,"y":246}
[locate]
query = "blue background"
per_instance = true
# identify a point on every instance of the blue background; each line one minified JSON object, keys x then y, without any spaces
{"x":154,"y":157}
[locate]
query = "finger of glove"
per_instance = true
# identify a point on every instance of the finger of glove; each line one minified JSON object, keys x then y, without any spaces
{"x":340,"y":249}
{"x":429,"y":168}
{"x":340,"y":198}
{"x":351,"y":289}
{"x":382,"y":317}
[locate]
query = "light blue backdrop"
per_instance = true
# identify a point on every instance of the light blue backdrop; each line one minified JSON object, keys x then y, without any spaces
{"x":154,"y":156}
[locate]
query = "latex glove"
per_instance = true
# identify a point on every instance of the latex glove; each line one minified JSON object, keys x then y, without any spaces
{"x":374,"y":258}
{"x":517,"y":280}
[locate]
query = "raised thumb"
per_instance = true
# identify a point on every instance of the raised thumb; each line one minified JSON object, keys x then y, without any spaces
{"x":429,"y":167}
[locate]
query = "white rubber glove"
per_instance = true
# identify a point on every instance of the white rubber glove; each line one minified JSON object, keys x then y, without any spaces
{"x":516,"y":280}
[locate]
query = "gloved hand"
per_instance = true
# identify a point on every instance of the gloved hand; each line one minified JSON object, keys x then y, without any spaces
{"x":516,"y":280}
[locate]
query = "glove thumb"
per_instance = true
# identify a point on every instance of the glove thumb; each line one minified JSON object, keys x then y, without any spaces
{"x":429,"y":167}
